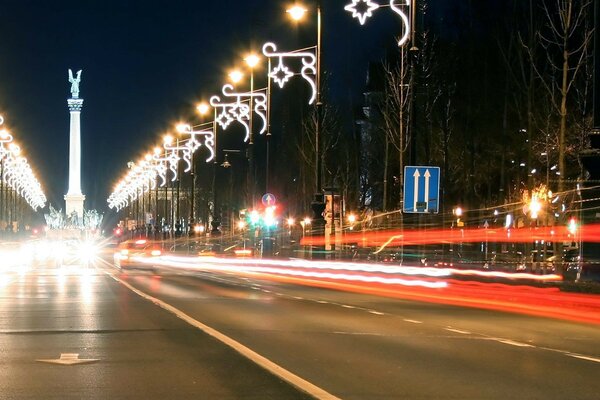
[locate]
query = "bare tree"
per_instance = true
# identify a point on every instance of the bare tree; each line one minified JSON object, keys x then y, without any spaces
{"x":565,"y":38}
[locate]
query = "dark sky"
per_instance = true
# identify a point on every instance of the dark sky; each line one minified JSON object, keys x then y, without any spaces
{"x":145,"y":64}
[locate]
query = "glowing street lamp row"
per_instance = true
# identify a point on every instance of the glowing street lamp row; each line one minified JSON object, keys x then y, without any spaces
{"x":236,"y":106}
{"x":16,"y":172}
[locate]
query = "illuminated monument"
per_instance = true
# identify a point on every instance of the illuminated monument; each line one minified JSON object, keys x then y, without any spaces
{"x":74,"y":197}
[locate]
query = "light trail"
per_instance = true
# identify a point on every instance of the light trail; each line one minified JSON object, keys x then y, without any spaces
{"x":415,"y":283}
{"x":395,"y":237}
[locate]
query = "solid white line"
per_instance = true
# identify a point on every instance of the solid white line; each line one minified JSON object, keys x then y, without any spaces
{"x":412,"y":321}
{"x":457,"y":331}
{"x":582,"y":357}
{"x":262,"y":361}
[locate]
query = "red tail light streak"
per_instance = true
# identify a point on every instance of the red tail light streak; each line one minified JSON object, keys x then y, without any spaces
{"x":391,"y":238}
{"x":436,"y":285}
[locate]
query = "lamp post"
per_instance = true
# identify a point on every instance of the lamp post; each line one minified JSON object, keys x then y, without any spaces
{"x":297,"y":12}
{"x":236,"y":76}
{"x":216,"y":219}
{"x":227,"y":165}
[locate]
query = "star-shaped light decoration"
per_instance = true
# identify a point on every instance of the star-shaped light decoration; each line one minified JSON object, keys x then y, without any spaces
{"x":224,"y":119}
{"x":361,"y":12}
{"x":281,"y":74}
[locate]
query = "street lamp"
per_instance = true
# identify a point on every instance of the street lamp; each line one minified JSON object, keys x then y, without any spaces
{"x":297,"y":12}
{"x":203,"y":109}
{"x":251,"y":60}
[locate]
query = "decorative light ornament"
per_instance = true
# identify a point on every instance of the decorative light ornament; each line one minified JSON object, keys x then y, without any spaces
{"x":260,"y":105}
{"x":371,"y":6}
{"x":161,"y":168}
{"x":193,"y":144}
{"x":366,"y":13}
{"x":281,"y":73}
{"x":238,"y":110}
{"x":173,"y":157}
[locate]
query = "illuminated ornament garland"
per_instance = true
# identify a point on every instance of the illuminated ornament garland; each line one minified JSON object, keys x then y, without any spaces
{"x":241,"y":110}
{"x":173,"y":157}
{"x":193,"y":144}
{"x":238,"y":110}
{"x":161,"y":168}
{"x":230,"y":112}
{"x":17,"y":173}
{"x":366,"y":13}
{"x":368,"y":6}
{"x":281,"y":73}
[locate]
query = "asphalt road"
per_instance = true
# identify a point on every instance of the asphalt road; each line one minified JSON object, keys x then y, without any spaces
{"x":353,"y":346}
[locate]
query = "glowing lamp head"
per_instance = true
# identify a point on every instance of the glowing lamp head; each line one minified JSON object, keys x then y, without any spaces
{"x":148,"y":157}
{"x":14,"y":149}
{"x":458,"y":211}
{"x":252,"y":60}
{"x":203,"y":108}
{"x":241,"y":225}
{"x":4,"y":134}
{"x":199,"y":228}
{"x":291,"y":221}
{"x":352,"y":218}
{"x":157,"y":151}
{"x":236,"y":76}
{"x":307,"y":221}
{"x":297,"y":12}
{"x":168,"y":140}
{"x":183,"y":128}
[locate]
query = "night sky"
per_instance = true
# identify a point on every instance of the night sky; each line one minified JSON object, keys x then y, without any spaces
{"x":145,"y":65}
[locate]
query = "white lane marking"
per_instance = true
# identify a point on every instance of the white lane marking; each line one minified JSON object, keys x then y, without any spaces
{"x":69,"y":359}
{"x":412,"y":321}
{"x":358,"y":333}
{"x":347,"y":306}
{"x":582,"y":357}
{"x":253,"y":356}
{"x":512,"y":342}
{"x":297,"y":298}
{"x":376,"y":312}
{"x":450,"y":329}
{"x":322,"y":301}
{"x":266,"y":291}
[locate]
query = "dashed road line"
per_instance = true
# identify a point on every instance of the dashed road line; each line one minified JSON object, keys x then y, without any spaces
{"x":450,"y":329}
{"x":375,"y":312}
{"x":412,"y":321}
{"x":512,"y":342}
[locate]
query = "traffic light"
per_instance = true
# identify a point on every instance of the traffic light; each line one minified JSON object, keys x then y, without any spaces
{"x":572,"y":226}
{"x":269,"y":219}
{"x":254,"y":217}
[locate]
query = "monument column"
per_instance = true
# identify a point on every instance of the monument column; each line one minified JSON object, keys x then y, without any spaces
{"x":74,"y":198}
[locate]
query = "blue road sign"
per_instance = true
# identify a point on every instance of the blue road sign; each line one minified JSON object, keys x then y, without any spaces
{"x":421,"y":189}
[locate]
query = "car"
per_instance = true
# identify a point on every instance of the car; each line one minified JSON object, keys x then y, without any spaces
{"x":136,"y":254}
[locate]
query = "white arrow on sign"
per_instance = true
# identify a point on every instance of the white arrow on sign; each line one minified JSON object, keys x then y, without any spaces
{"x":416,"y":175}
{"x":427,"y":175}
{"x":70,"y":359}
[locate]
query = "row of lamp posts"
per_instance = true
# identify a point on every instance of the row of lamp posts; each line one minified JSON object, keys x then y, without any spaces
{"x":241,"y":107}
